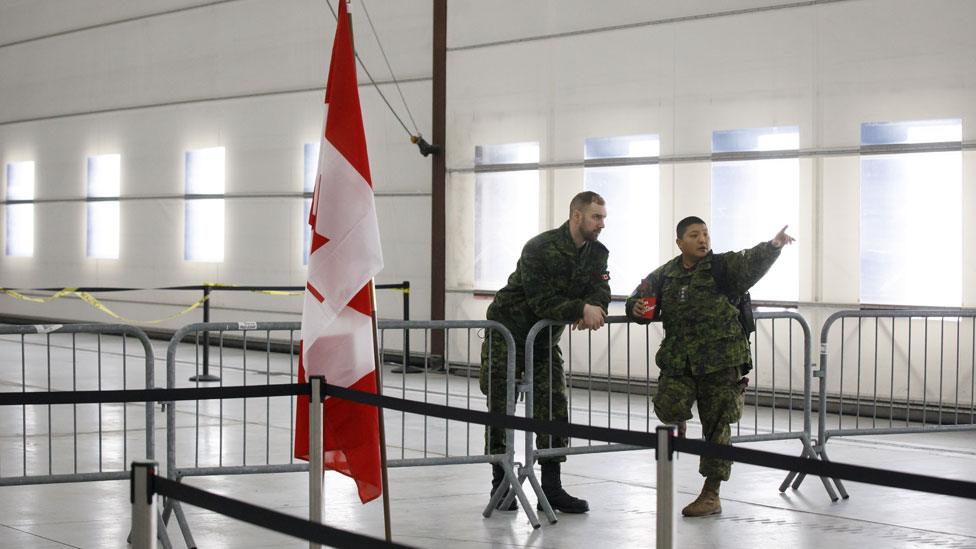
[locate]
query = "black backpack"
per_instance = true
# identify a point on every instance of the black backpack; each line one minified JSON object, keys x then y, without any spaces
{"x":742,"y":302}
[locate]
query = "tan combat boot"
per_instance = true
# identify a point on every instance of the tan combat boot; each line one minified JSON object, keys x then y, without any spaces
{"x":707,"y":502}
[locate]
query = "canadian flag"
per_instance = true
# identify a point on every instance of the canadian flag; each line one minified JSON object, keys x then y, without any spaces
{"x":337,"y":327}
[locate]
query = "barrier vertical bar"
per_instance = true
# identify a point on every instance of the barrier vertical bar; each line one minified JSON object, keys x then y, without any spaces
{"x":665,"y":487}
{"x":74,"y":407}
{"x":315,"y":453}
{"x":142,"y":495}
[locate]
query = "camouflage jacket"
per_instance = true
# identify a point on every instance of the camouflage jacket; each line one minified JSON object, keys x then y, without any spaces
{"x":701,"y":327}
{"x":552,"y":280}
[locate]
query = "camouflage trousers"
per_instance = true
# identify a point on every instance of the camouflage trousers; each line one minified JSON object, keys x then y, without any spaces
{"x":549,"y":390}
{"x":720,"y":399}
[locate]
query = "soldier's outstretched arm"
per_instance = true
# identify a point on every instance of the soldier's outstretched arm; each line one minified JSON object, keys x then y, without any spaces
{"x":747,"y":267}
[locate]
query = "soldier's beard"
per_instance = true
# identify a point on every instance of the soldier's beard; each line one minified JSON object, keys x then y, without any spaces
{"x":590,"y":236}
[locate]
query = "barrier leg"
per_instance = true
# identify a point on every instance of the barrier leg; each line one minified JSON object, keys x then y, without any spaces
{"x":665,"y":487}
{"x":495,"y":499}
{"x":184,"y":526}
{"x":837,"y":482}
{"x":162,"y":535}
{"x":807,"y":453}
{"x":527,"y":472}
{"x":511,"y":488}
{"x":789,"y":478}
{"x":543,"y":500}
{"x":797,"y":478}
{"x":143,"y":498}
{"x":167,"y":510}
{"x":515,"y":480}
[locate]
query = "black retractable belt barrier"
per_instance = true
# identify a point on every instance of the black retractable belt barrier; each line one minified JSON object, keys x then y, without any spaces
{"x":856,"y":473}
{"x":267,"y":518}
{"x":153,"y":395}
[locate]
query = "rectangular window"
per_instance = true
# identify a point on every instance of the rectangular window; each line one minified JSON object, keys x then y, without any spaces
{"x":754,"y":197}
{"x":20,"y":217}
{"x":506,"y":210}
{"x":311,"y":172}
{"x":633,"y":205}
{"x":104,"y":186}
{"x":204,"y":236}
{"x":907,"y":201}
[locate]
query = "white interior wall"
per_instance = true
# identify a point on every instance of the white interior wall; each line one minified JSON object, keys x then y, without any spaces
{"x":559,"y":72}
{"x":248,"y":75}
{"x":245,"y":75}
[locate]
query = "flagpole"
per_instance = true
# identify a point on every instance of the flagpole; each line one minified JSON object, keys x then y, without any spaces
{"x":382,"y":423}
{"x":377,"y":365}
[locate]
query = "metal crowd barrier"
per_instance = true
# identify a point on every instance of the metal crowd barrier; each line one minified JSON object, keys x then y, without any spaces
{"x":212,"y":437}
{"x":896,"y":371}
{"x":56,"y":363}
{"x":145,"y":484}
{"x":227,"y":438}
{"x":781,"y":384}
{"x":434,"y":385}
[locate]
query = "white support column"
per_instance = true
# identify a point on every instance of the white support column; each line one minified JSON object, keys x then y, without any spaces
{"x":143,"y":498}
{"x":315,"y":475}
{"x":665,"y":488}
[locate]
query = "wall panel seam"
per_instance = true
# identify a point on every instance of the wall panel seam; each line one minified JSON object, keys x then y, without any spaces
{"x":228,"y":196}
{"x":653,"y":22}
{"x":180,"y":102}
{"x":908,"y":148}
{"x":97,"y":26}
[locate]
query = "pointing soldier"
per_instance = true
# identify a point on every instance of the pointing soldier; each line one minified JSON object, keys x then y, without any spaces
{"x":705,"y":351}
{"x":561,"y":275}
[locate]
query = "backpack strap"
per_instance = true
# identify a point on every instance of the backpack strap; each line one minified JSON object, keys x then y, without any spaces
{"x":719,"y":273}
{"x":742,"y":302}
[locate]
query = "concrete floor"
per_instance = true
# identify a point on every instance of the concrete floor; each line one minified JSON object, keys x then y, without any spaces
{"x":438,"y":506}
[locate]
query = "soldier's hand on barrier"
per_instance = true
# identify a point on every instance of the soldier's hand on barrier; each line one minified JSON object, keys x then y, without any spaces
{"x":593,"y":317}
{"x":743,"y":384}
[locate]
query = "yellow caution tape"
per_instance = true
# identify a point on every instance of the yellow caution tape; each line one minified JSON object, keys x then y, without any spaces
{"x":94,"y":302}
{"x":22,"y":297}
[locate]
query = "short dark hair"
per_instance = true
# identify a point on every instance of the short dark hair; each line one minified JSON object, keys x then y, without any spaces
{"x":584,"y":199}
{"x":686,"y":222}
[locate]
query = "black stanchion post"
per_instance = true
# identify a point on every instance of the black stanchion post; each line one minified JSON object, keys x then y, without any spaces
{"x":406,"y":368}
{"x":406,"y":316}
{"x":206,"y":375}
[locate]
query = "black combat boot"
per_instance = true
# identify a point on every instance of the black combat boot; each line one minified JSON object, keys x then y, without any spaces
{"x":558,"y":498}
{"x":497,"y":478}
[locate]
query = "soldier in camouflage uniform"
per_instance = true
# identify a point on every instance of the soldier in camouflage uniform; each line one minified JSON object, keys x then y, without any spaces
{"x":705,"y":351}
{"x":561,"y":275}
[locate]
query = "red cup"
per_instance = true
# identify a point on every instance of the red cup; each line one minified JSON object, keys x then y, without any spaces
{"x":650,"y":306}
